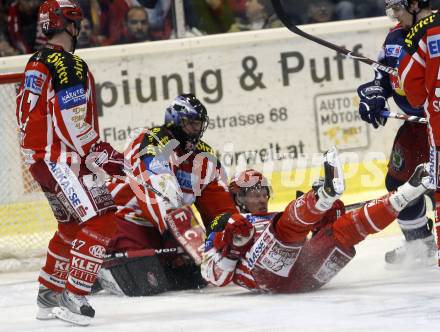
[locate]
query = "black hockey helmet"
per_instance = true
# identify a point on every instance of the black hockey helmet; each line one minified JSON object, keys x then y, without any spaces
{"x":187,"y":110}
{"x":391,"y":5}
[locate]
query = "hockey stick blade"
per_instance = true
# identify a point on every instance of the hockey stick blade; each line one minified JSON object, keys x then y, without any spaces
{"x":288,"y":22}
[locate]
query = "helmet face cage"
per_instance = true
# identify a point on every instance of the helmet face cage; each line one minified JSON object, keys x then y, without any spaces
{"x":393,"y":6}
{"x":187,"y":107}
{"x":246,"y":181}
{"x":55,"y":15}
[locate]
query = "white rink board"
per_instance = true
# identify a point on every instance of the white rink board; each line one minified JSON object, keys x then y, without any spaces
{"x":299,"y":100}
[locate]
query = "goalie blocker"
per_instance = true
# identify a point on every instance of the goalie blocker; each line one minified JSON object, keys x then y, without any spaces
{"x":172,"y":266}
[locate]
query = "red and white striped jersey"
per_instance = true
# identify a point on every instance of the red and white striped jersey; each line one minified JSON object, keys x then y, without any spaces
{"x":165,"y":177}
{"x":56,"y":108}
{"x":419,"y":71}
{"x":220,"y":270}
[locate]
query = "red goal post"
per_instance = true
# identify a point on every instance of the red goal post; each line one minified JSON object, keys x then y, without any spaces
{"x":26,"y":221}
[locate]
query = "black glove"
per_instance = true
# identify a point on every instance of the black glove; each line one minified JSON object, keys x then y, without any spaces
{"x":372,"y":102}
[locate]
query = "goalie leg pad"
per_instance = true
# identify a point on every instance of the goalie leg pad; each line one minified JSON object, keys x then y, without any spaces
{"x":185,"y":277}
{"x":143,"y":276}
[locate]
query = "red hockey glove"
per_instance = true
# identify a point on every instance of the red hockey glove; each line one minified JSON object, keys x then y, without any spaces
{"x":237,"y":237}
{"x":337,"y":210}
{"x":107,"y":158}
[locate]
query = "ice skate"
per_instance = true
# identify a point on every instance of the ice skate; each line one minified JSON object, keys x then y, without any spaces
{"x":420,"y":252}
{"x":332,"y":186}
{"x":74,"y":309}
{"x":47,"y":299}
{"x":417,"y":185}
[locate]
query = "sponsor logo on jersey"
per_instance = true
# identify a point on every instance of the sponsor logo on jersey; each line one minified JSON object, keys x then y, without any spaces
{"x":203,"y":147}
{"x":257,"y":249}
{"x":393,"y":50}
{"x":85,"y":265}
{"x":65,"y":183}
{"x":34,"y":81}
{"x":397,"y":159}
{"x":332,"y":265}
{"x":253,"y":219}
{"x":72,"y":97}
{"x":416,"y":28}
{"x":157,"y":165}
{"x":184,"y":179}
{"x":73,"y":190}
{"x":434,"y":46}
{"x":57,"y":60}
{"x":97,"y":251}
{"x":433,"y":159}
{"x":280,"y":258}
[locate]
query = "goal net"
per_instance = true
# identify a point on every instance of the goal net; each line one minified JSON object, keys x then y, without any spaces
{"x":26,"y":220}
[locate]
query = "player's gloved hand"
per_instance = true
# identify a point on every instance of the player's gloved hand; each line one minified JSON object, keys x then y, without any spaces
{"x":372,"y":102}
{"x":107,"y":158}
{"x":237,"y":237}
{"x":337,"y":210}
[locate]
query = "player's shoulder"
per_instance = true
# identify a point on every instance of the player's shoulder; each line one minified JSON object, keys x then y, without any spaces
{"x":153,"y":139}
{"x":66,"y":69}
{"x":419,"y":30}
{"x":396,"y":34}
{"x":202,"y":146}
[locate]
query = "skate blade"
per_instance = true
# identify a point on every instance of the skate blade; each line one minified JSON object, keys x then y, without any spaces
{"x":45,"y":314}
{"x":70,"y":317}
{"x":410,"y":264}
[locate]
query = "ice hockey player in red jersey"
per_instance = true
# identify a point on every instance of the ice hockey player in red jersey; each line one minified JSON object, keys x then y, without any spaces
{"x":420,"y":79}
{"x":58,"y":126}
{"x":172,"y":168}
{"x":270,"y":251}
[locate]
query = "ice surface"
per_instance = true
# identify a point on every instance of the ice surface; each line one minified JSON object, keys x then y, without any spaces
{"x":366,"y":296}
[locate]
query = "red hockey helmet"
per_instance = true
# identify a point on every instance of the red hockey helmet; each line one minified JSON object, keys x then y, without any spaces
{"x":245,"y":181}
{"x":55,"y":15}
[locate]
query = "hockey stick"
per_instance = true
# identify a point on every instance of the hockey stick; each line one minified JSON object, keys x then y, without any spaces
{"x":288,"y":22}
{"x":404,"y":117}
{"x":144,"y":252}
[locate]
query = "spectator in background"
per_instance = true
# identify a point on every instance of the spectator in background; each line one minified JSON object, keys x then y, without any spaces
{"x":160,"y":20}
{"x":22,"y":26}
{"x":85,"y":38}
{"x":320,"y":11}
{"x":136,"y":26}
{"x":210,"y":16}
{"x":345,"y":10}
{"x":5,"y":47}
{"x":259,"y":15}
{"x":238,"y":8}
{"x":367,"y":8}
